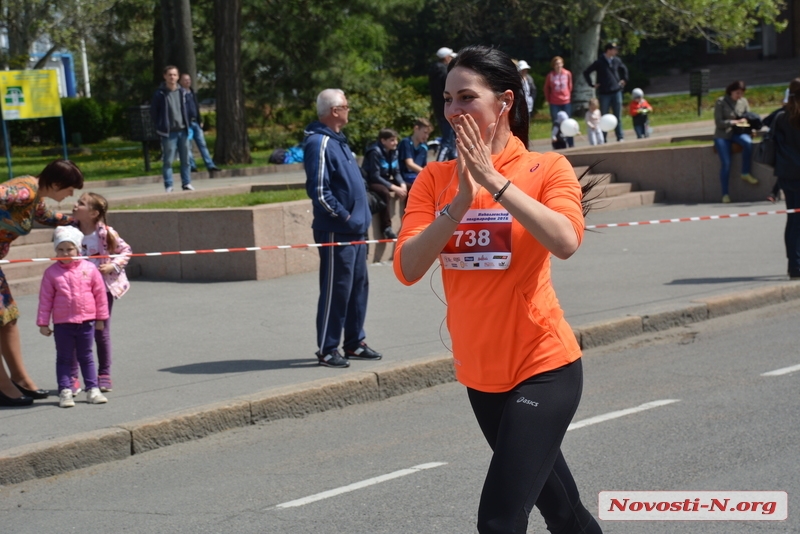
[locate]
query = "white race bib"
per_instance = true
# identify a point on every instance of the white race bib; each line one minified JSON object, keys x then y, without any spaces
{"x":481,"y":241}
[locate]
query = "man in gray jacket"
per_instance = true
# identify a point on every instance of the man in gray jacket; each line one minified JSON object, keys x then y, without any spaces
{"x":169,"y":112}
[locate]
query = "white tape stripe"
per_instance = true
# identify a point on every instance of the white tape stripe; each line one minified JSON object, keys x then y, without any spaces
{"x":359,"y":485}
{"x":221,"y":250}
{"x":621,"y":413}
{"x":783,"y":371}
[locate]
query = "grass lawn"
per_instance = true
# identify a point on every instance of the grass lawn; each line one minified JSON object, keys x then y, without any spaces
{"x":675,"y":109}
{"x":110,"y":160}
{"x":227,"y":201}
{"x":115,"y":158}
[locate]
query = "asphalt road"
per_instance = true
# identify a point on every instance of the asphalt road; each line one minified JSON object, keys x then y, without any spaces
{"x":729,"y":429}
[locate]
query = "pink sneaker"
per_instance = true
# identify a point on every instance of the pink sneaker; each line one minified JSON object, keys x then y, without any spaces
{"x":104,"y":381}
{"x":76,"y":386}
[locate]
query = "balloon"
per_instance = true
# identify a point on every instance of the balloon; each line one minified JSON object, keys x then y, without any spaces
{"x":570,"y":128}
{"x":608,"y":122}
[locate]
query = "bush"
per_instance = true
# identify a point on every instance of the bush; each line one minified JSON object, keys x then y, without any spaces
{"x":209,"y":120}
{"x":383,"y":102}
{"x":86,"y":117}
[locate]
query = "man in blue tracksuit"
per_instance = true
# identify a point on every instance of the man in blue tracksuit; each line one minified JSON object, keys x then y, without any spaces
{"x":341,"y":214}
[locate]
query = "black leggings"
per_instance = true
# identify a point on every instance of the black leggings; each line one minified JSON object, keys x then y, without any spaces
{"x":524,"y":428}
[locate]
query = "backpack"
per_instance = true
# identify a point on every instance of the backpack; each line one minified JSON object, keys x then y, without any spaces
{"x":277,"y":156}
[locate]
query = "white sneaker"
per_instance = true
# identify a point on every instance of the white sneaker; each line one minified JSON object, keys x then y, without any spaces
{"x":65,"y":399}
{"x":188,"y":187}
{"x":93,"y":396}
{"x":168,"y":189}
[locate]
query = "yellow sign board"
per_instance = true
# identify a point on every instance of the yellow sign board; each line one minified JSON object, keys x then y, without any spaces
{"x":29,"y":94}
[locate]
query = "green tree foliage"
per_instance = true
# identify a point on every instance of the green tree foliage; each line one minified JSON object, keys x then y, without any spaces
{"x":63,"y":23}
{"x":120,"y":51}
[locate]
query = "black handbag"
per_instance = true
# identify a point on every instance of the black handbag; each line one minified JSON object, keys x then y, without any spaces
{"x":764,"y":152}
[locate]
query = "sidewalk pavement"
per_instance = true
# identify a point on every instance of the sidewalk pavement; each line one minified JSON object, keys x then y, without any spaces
{"x":196,"y":358}
{"x":180,"y":347}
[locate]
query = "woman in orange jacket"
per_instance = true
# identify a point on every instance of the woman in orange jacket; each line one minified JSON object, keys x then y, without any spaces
{"x":493,"y":218}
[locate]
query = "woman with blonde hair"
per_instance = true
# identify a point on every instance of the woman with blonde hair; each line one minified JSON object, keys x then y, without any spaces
{"x":558,"y":91}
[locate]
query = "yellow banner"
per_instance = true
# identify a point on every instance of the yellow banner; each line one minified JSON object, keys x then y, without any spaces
{"x":29,"y":94}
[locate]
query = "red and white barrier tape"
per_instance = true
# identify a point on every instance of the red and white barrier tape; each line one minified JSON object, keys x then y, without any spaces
{"x":693,"y":219}
{"x":375,"y":241}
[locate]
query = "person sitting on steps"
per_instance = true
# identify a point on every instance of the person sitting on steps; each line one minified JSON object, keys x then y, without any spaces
{"x":383,"y":175}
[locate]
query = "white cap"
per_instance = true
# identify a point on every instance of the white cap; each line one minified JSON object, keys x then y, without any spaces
{"x":67,"y":233}
{"x":443,"y":52}
{"x":523,"y":65}
{"x":561,"y":116}
{"x":637,"y":93}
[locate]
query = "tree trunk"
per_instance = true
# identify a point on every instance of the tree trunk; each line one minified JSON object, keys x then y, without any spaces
{"x":232,"y":144}
{"x":585,"y":41}
{"x":176,"y":17}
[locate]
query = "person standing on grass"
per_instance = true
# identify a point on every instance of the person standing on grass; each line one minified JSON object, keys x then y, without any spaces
{"x":341,"y":214}
{"x":171,"y":118}
{"x":196,"y":125}
{"x":611,"y":77}
{"x":436,"y":78}
{"x":558,"y":91}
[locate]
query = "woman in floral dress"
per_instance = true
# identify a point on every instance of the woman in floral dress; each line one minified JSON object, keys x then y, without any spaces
{"x":22,"y":203}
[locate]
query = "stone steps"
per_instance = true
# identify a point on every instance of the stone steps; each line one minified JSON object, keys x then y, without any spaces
{"x":24,"y":278}
{"x":610,"y":195}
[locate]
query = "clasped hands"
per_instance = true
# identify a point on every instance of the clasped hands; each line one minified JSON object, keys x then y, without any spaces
{"x":474,"y":163}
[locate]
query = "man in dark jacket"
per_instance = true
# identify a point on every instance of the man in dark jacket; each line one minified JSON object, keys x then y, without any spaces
{"x":611,"y":75}
{"x":341,"y":214}
{"x":169,"y":113}
{"x":196,"y":125}
{"x":382,"y":168}
{"x":436,"y":80}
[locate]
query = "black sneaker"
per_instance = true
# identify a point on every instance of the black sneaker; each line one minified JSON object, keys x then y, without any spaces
{"x":333,"y":359}
{"x":362,"y":352}
{"x":388,"y":233}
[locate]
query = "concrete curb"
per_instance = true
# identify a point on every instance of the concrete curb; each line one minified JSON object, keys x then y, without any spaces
{"x":41,"y":460}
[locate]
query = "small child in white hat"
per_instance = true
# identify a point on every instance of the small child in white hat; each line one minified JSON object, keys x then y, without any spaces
{"x":74,"y":294}
{"x":640,"y":112}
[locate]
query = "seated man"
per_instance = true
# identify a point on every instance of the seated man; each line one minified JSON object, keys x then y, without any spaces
{"x":413,"y":151}
{"x":383,"y":175}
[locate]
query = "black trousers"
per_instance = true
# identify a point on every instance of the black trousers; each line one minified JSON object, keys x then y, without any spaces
{"x":524,"y":428}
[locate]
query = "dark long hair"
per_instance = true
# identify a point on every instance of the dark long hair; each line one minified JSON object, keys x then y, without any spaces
{"x":793,"y":103}
{"x":500,"y":74}
{"x":61,"y":174}
{"x":735,"y":86}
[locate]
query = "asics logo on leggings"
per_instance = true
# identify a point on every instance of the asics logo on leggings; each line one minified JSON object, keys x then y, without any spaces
{"x":527,"y":401}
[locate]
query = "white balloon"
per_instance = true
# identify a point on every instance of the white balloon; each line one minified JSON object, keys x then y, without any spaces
{"x":608,"y":122}
{"x":570,"y":128}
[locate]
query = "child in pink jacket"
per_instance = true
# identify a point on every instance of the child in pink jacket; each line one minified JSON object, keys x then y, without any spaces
{"x":74,"y":293}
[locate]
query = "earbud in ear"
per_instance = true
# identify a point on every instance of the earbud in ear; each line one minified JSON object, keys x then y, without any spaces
{"x":505,"y":105}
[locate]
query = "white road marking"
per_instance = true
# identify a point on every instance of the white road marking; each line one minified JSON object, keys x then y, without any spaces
{"x":784,"y":371}
{"x":620,"y":413}
{"x":359,"y":485}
